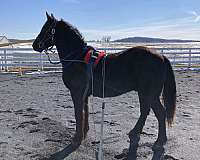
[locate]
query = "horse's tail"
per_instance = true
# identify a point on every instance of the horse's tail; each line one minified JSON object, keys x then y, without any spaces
{"x":169,"y":92}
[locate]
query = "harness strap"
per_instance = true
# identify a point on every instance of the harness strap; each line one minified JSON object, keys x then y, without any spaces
{"x":88,"y":56}
{"x":93,"y":56}
{"x":100,"y":56}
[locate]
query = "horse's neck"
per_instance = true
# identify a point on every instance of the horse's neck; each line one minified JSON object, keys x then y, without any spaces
{"x":62,"y":50}
{"x":71,"y":52}
{"x":68,"y":45}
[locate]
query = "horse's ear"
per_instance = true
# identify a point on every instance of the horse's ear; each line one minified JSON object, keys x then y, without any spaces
{"x":52,"y":16}
{"x":48,"y":16}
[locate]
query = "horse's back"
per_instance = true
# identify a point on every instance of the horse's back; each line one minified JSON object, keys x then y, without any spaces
{"x":136,"y":60}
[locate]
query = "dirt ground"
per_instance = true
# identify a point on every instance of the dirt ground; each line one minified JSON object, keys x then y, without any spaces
{"x":37,"y":120}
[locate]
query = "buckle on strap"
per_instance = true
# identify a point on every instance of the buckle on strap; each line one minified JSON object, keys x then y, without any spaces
{"x":93,"y":56}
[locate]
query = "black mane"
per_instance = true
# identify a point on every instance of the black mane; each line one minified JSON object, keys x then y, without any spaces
{"x":73,"y":29}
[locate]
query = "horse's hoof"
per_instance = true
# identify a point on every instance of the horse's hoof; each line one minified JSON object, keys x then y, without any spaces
{"x":158,"y":154}
{"x":158,"y":145}
{"x":132,"y":155}
{"x":76,"y":141}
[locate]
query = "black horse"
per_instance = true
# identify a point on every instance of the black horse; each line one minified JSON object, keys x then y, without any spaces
{"x":137,"y":68}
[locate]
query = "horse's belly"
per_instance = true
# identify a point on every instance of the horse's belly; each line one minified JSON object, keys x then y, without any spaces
{"x":112,"y":90}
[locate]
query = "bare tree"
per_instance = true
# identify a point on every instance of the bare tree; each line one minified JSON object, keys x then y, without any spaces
{"x":106,"y":39}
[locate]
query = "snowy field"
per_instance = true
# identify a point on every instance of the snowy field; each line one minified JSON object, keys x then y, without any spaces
{"x":178,"y":53}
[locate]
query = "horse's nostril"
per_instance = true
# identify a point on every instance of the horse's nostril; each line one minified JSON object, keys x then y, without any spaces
{"x":40,"y":45}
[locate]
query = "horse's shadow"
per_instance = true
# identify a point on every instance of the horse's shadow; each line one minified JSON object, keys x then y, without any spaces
{"x":59,"y":135}
{"x":125,"y":155}
{"x":58,"y":131}
{"x":60,"y":155}
{"x":131,"y":152}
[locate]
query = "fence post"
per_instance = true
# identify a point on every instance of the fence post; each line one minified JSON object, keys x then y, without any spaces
{"x":1,"y":63}
{"x":189,"y":63}
{"x":174,"y":59}
{"x":161,"y":52}
{"x":20,"y":68}
{"x":41,"y":62}
{"x":5,"y":60}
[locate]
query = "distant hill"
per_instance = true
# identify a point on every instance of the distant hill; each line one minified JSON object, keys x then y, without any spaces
{"x":152,"y":40}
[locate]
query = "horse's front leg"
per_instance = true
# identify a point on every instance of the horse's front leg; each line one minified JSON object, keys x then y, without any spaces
{"x":86,"y":117}
{"x":80,"y":100}
{"x":79,"y":116}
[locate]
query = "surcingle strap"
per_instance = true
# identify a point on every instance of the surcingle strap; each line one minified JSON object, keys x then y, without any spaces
{"x":88,"y":56}
{"x":94,"y":56}
{"x":100,"y":56}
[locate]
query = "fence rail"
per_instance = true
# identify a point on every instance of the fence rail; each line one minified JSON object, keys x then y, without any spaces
{"x":11,"y":58}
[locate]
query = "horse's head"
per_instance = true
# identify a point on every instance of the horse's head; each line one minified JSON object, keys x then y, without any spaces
{"x":45,"y":39}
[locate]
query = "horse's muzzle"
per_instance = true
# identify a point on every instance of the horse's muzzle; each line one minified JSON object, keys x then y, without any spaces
{"x":37,"y":46}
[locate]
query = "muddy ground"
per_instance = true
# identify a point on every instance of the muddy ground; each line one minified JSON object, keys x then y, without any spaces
{"x":37,"y":120}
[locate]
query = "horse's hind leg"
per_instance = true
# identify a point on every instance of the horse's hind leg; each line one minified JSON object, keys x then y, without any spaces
{"x":144,"y":112}
{"x":134,"y":134}
{"x":159,"y":111}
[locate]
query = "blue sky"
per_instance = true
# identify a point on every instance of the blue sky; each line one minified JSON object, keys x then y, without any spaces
{"x":23,"y":19}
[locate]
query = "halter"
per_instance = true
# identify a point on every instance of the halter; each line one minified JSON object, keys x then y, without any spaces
{"x":49,"y":49}
{"x":41,"y":42}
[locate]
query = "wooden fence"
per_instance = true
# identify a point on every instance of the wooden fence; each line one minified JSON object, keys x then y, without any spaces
{"x":27,"y":59}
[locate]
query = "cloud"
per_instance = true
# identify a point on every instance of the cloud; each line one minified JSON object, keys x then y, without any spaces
{"x":197,"y":19}
{"x":193,"y":13}
{"x":196,"y":16}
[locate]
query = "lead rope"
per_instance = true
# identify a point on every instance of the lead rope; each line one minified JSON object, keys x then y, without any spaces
{"x":49,"y":51}
{"x":92,"y":107}
{"x":100,"y":153}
